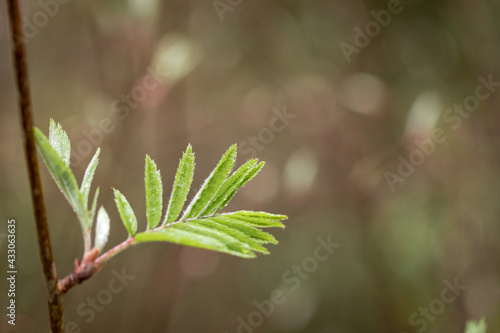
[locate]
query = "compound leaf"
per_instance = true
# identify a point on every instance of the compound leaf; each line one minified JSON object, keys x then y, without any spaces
{"x":236,"y":234}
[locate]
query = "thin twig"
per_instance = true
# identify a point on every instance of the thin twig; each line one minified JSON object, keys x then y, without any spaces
{"x":114,"y":251}
{"x":81,"y":271}
{"x":44,"y":245}
{"x":90,"y":265}
{"x":93,"y":263}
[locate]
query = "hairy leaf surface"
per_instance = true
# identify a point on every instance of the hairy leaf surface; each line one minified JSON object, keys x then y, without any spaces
{"x":182,"y":184}
{"x":63,"y":176}
{"x":154,"y":193}
{"x":211,"y":184}
{"x":126,"y":213}
{"x":59,"y":140}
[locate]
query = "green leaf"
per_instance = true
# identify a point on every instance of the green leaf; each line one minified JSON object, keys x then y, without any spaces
{"x":212,"y":184}
{"x":89,"y":176}
{"x":93,"y":208}
{"x":246,"y":240}
{"x":231,"y":185}
{"x":258,"y":219}
{"x":246,"y":228}
{"x":102,"y":229}
{"x":63,"y":177}
{"x":182,"y":237}
{"x":59,"y":140}
{"x":236,"y":234}
{"x":154,"y":193}
{"x":249,"y":176}
{"x":126,"y":213}
{"x":182,"y":184}
{"x":231,"y":243}
{"x":197,"y":236}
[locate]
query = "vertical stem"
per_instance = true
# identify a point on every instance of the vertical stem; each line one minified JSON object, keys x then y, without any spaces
{"x":44,"y":245}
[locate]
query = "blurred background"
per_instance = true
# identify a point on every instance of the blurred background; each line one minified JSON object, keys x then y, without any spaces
{"x":375,"y":118}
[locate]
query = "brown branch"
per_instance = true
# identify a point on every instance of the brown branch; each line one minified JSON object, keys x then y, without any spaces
{"x":90,"y":265}
{"x":81,"y":271}
{"x":48,"y":266}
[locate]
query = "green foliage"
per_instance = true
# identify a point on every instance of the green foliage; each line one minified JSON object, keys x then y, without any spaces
{"x":209,"y":237}
{"x":228,"y":189}
{"x":56,"y":152}
{"x":154,"y":193}
{"x":201,"y":225}
{"x":182,"y":184}
{"x":211,"y":185}
{"x":476,"y":326}
{"x":62,"y":175}
{"x":235,"y":233}
{"x":94,"y":206}
{"x":89,"y":176}
{"x":126,"y":213}
{"x":59,"y":141}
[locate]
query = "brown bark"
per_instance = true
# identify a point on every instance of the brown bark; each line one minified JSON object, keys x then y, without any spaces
{"x":44,"y":245}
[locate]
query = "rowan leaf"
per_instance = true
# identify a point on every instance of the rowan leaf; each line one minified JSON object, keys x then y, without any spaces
{"x":63,"y":176}
{"x":126,"y":213}
{"x":211,"y":185}
{"x":154,"y":193}
{"x":89,"y":176}
{"x":59,"y":140}
{"x":182,"y":184}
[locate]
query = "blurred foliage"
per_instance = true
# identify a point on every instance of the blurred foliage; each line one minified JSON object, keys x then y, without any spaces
{"x":476,"y":327}
{"x":152,"y":76}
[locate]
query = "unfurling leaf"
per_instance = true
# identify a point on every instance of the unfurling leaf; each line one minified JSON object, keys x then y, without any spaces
{"x":93,"y":208}
{"x":182,"y":184}
{"x":126,"y":213}
{"x":101,"y":229}
{"x":154,"y":193}
{"x":89,"y":176}
{"x":63,"y":176}
{"x":59,"y":140}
